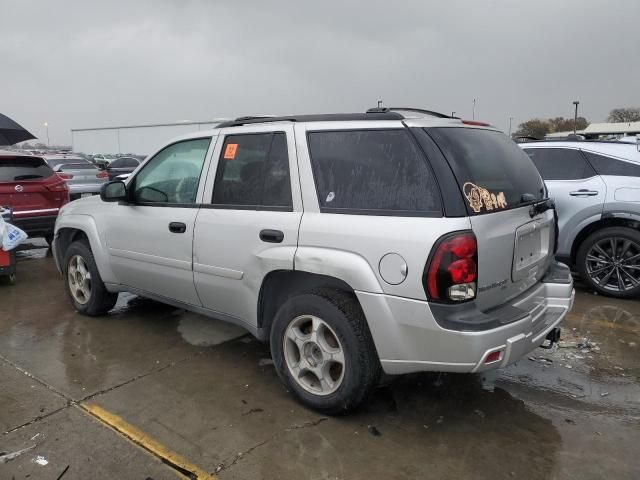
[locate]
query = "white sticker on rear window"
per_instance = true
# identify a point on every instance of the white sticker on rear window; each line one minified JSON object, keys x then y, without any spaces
{"x":479,"y":197}
{"x":330,"y":197}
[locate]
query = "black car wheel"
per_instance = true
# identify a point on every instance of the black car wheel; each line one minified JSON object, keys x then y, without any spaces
{"x":609,"y":261}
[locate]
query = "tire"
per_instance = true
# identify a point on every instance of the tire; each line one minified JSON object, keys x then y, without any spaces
{"x":595,"y":264}
{"x":342,"y":327}
{"x":93,"y":298}
{"x":49,"y":239}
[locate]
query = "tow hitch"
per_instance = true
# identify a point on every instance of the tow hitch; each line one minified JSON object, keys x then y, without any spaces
{"x":552,"y":337}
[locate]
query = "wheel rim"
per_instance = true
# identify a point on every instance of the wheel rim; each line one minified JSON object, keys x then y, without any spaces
{"x":614,"y":264}
{"x":314,"y":355}
{"x":79,"y":279}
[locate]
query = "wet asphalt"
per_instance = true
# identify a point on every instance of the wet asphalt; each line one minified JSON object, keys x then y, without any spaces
{"x":205,"y":392}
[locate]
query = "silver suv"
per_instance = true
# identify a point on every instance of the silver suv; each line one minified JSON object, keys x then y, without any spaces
{"x":596,"y":188}
{"x":394,"y":240}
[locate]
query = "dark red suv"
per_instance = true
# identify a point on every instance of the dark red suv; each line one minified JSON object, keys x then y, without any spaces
{"x":34,"y":192}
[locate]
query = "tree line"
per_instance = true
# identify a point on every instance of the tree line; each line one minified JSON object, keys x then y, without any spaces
{"x":538,"y":127}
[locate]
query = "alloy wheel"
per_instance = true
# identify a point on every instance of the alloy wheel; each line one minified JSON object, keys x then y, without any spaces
{"x":314,"y":355}
{"x":614,"y":264}
{"x":79,"y":279}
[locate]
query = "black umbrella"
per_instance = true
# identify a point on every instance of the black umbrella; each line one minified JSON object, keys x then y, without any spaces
{"x":11,"y":132}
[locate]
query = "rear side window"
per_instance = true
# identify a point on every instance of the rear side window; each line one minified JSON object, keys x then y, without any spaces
{"x":372,"y":172}
{"x":610,"y":166}
{"x":253,"y":171}
{"x":560,"y":163}
{"x":491,"y":170}
{"x":13,"y":169}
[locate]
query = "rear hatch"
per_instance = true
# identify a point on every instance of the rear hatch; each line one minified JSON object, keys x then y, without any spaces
{"x":500,"y":184}
{"x":30,"y":187}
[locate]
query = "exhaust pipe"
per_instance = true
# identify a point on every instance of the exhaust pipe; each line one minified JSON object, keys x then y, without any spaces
{"x":552,"y":337}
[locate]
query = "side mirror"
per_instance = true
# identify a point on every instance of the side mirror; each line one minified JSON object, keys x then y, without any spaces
{"x":115,"y":191}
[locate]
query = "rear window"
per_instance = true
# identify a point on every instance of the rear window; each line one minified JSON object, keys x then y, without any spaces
{"x":492,"y":171}
{"x":77,"y":166}
{"x":374,"y":172}
{"x":610,"y":166}
{"x":13,"y":169}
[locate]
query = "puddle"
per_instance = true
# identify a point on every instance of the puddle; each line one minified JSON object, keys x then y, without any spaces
{"x":204,"y":332}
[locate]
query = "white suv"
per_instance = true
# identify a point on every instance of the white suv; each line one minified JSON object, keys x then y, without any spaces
{"x":395,"y":240}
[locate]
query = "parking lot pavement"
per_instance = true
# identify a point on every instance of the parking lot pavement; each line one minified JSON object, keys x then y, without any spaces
{"x":154,"y":392}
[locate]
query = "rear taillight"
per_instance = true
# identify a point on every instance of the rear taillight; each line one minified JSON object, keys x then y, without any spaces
{"x":102,"y":174}
{"x":60,"y":186}
{"x":452,"y":271}
{"x":476,"y":122}
{"x":65,"y":176}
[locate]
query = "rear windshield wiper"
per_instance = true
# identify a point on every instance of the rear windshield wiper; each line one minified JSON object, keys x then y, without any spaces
{"x":27,"y":177}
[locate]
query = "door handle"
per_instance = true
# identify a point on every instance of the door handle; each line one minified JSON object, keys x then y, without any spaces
{"x":583,"y":192}
{"x":271,"y":236}
{"x":177,"y":227}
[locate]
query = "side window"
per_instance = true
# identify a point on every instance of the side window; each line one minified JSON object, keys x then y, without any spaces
{"x":253,"y":171}
{"x":611,"y":166}
{"x":172,"y":176}
{"x":371,"y":171}
{"x":560,"y":163}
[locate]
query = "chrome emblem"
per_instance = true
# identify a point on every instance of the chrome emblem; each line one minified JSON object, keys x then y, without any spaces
{"x":19,"y":188}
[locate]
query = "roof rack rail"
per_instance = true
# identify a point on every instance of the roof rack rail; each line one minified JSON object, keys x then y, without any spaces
{"x":379,"y":115}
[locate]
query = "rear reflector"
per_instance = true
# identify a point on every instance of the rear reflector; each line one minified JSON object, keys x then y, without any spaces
{"x":477,"y":123}
{"x":493,"y":357}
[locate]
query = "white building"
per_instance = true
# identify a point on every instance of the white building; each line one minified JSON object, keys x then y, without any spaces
{"x":622,"y":129}
{"x":136,"y":139}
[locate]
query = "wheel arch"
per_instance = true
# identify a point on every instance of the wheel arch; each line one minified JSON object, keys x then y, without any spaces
{"x":605,"y":222}
{"x":280,"y":285}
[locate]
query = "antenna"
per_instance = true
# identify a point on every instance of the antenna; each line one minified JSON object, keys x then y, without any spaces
{"x":379,"y":103}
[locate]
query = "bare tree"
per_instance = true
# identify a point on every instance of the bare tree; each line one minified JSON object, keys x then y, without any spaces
{"x":624,"y":115}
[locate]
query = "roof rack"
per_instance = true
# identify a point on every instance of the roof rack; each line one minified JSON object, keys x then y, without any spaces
{"x":379,"y":113}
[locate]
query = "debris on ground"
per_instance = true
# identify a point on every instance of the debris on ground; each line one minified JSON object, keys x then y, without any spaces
{"x":67,"y":468}
{"x":479,"y":413}
{"x":604,"y":394}
{"x":440,"y":420}
{"x":569,"y":421}
{"x":40,"y":460}
{"x":373,"y":430}
{"x":7,"y":457}
{"x":264,"y":362}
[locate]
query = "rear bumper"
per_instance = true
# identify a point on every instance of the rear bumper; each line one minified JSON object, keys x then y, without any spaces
{"x":76,"y":191}
{"x":409,"y":339}
{"x":36,"y":225}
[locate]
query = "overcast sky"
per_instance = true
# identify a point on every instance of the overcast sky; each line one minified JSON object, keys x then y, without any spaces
{"x":75,"y":64}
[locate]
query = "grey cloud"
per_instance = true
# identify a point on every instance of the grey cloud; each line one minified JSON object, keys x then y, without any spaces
{"x":77,"y":64}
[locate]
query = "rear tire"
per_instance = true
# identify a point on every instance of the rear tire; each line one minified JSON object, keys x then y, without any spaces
{"x":323,"y":350}
{"x":83,"y":283}
{"x":604,"y":258}
{"x":49,"y":239}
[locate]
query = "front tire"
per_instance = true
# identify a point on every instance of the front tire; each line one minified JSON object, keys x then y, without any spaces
{"x":608,"y":260}
{"x":323,"y":350}
{"x":83,"y":283}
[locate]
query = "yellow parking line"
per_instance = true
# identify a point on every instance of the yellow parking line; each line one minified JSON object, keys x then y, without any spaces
{"x":178,"y":462}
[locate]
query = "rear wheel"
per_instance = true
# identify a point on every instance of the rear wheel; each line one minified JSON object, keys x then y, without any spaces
{"x":49,"y":239}
{"x":323,"y":350}
{"x":609,"y":261}
{"x":83,"y":283}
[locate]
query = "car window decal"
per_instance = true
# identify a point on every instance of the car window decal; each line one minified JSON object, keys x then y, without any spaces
{"x":479,"y":197}
{"x":230,"y":151}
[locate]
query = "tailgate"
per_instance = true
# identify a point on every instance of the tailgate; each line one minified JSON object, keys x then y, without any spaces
{"x":514,"y":252}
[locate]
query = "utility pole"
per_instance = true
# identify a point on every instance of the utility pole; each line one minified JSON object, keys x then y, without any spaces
{"x":46,"y":124}
{"x":379,"y":103}
{"x":510,"y":120}
{"x":473,"y":114}
{"x":575,"y":116}
{"x":453,"y":114}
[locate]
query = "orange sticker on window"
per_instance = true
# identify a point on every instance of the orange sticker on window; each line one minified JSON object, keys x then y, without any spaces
{"x":230,"y":151}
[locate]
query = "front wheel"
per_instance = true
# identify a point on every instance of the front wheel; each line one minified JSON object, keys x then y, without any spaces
{"x":83,"y":283}
{"x":323,"y":350}
{"x":609,"y":261}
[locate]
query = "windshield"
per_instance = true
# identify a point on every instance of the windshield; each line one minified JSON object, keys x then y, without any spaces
{"x":23,"y":168}
{"x":492,"y":172}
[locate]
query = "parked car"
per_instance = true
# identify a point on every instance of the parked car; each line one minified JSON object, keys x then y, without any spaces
{"x":33,"y":191}
{"x":345,"y":240}
{"x":84,"y":178}
{"x":596,"y":187}
{"x":122,"y":166}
